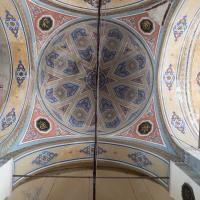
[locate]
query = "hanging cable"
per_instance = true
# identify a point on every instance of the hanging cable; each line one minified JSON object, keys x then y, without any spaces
{"x":91,"y":177}
{"x":96,"y":103}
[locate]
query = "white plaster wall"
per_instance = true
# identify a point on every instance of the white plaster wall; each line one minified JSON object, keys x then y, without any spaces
{"x":6,"y":173}
{"x":180,"y":174}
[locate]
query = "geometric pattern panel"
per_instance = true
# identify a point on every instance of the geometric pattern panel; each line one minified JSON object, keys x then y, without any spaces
{"x":67,"y":77}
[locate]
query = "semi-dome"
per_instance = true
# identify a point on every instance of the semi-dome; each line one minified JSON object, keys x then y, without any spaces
{"x":13,"y":72}
{"x":5,"y":68}
{"x":180,"y":78}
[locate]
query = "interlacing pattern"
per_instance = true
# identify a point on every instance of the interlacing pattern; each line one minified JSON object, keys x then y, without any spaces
{"x":67,"y":77}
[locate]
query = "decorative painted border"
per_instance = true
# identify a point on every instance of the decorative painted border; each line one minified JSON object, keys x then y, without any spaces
{"x":17,"y":40}
{"x":171,"y":67}
{"x":123,"y":155}
{"x":77,"y":6}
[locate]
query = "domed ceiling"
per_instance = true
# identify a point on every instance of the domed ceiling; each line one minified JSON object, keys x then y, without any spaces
{"x":67,"y":77}
{"x":63,"y":74}
{"x":49,"y":86}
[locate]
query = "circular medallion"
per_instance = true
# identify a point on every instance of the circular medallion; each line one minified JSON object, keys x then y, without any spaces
{"x":42,"y":125}
{"x":45,"y":23}
{"x":187,"y":192}
{"x":67,"y":77}
{"x":146,"y":25}
{"x":145,"y":128}
{"x":90,"y":79}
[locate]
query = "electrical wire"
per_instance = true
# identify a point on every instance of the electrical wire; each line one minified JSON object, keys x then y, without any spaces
{"x":96,"y":103}
{"x":91,"y":177}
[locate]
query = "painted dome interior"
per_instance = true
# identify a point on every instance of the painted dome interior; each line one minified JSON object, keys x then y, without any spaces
{"x":142,"y":113}
{"x":67,"y":77}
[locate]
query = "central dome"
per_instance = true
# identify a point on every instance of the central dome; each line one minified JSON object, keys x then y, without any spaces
{"x":67,"y":77}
